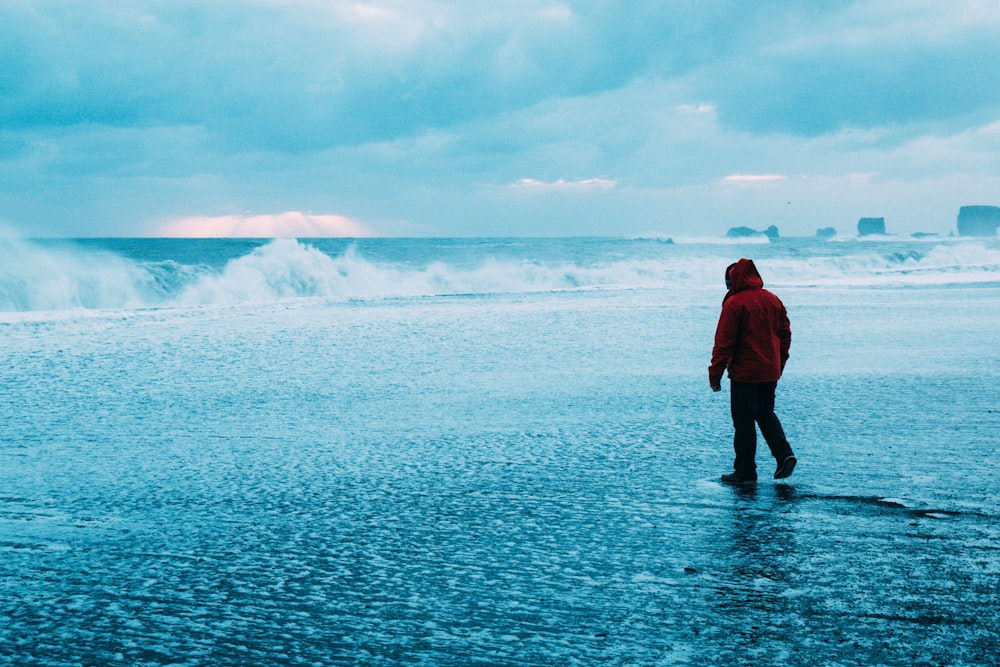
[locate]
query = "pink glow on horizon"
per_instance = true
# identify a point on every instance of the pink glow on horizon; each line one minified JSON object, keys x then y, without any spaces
{"x":291,"y":224}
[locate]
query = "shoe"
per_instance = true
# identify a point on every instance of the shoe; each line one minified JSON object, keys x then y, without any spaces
{"x":786,"y":468}
{"x":733,"y":478}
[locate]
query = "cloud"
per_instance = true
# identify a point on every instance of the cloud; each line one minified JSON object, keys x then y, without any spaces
{"x":563,"y":185}
{"x":292,"y":224}
{"x":288,"y":75}
{"x":306,"y":75}
{"x":296,"y":75}
{"x":866,"y":66}
{"x":754,"y":178}
{"x":429,"y":114}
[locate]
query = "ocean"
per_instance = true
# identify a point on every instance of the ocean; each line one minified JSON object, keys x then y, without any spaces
{"x":491,"y":452}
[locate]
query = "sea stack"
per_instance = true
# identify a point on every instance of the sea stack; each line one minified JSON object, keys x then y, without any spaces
{"x":744,"y":232}
{"x":978,"y":220}
{"x":871,"y":226}
{"x":826,"y":233}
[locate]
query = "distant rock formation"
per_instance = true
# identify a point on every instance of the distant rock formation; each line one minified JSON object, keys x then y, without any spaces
{"x":924,"y":235}
{"x":743,"y":232}
{"x":870,"y":226}
{"x":826,"y":233}
{"x":978,"y":220}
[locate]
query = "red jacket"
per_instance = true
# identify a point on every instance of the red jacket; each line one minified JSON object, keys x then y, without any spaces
{"x":753,"y":335}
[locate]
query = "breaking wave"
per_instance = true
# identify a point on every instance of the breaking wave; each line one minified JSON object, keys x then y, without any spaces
{"x":954,"y":263}
{"x":36,"y":276}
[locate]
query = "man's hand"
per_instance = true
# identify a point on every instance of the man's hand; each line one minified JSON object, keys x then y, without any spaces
{"x":717,"y":387}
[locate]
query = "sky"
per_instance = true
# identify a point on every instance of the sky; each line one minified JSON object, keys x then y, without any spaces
{"x":495,"y":118}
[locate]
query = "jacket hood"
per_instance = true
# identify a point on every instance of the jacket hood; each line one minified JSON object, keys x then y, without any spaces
{"x":743,"y":276}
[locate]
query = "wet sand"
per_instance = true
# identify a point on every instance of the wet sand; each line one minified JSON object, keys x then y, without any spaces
{"x":514,"y":553}
{"x":172,"y":493}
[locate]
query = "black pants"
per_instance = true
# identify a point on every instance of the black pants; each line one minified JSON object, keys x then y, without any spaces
{"x":752,"y":403}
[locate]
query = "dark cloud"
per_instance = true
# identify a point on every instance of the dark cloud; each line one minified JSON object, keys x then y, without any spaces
{"x":823,"y":85}
{"x":289,"y":76}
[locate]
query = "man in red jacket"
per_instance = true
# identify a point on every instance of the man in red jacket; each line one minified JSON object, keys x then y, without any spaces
{"x":752,"y":341}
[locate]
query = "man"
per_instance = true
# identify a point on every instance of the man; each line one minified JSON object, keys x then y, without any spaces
{"x":752,"y":341}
